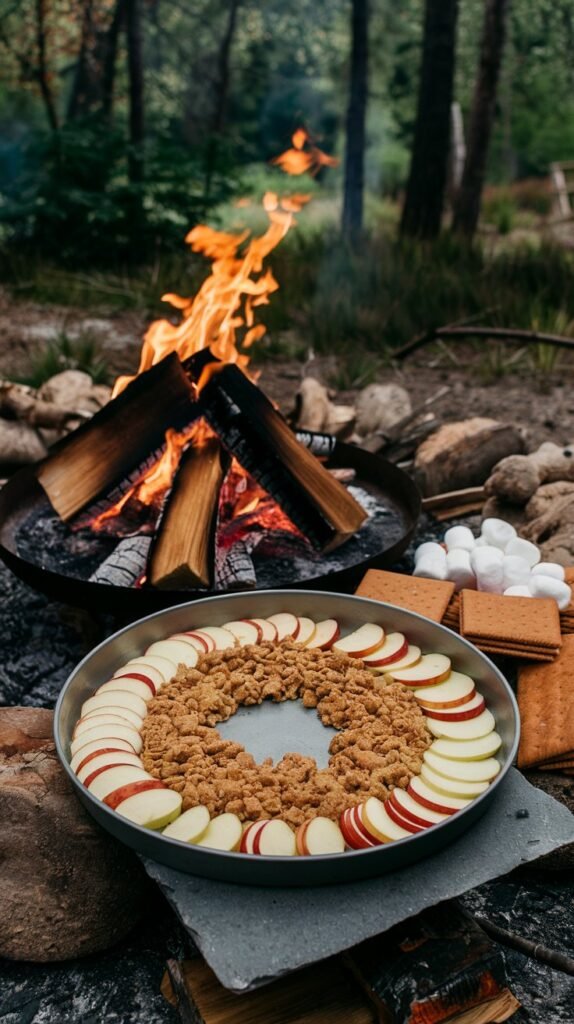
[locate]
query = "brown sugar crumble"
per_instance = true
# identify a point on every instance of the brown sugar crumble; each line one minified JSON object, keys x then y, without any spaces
{"x":381,"y":740}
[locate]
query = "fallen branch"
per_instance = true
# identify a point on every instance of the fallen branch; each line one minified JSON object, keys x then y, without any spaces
{"x":552,"y":957}
{"x":496,"y":333}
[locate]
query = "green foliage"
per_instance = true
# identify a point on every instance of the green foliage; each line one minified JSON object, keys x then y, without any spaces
{"x":67,"y":353}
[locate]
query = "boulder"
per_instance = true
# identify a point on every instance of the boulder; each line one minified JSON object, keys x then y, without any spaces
{"x":67,"y":888}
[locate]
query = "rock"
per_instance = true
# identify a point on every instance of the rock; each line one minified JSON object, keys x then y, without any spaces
{"x":553,"y":530}
{"x":379,"y":407}
{"x":561,"y":787}
{"x":314,"y":410}
{"x":517,"y":478}
{"x":20,"y":444}
{"x":67,"y":888}
{"x":462,"y":454}
{"x":66,"y":388}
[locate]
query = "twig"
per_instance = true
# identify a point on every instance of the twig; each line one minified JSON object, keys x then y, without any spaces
{"x":187,"y":1011}
{"x":552,"y":957}
{"x":452,"y":333}
{"x":395,"y":431}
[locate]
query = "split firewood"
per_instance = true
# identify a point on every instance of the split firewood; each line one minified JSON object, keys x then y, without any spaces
{"x":462,"y":454}
{"x":68,"y":888}
{"x":18,"y":402}
{"x":126,"y":563}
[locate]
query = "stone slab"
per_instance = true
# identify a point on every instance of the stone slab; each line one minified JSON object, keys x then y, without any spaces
{"x":250,"y":936}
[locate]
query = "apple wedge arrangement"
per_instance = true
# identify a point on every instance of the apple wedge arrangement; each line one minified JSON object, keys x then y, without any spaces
{"x":458,"y":766}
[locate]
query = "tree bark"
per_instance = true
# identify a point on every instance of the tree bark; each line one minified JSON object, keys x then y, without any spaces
{"x":352,"y":221}
{"x":221,"y":94}
{"x":426,"y":187}
{"x":467,"y":203}
{"x":136,"y":87}
{"x":42,"y":74}
{"x":111,"y":52}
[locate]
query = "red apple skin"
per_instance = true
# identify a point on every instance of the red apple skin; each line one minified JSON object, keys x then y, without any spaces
{"x":300,"y":839}
{"x":353,"y":837}
{"x":456,"y":716}
{"x":357,"y":821}
{"x":117,"y":797}
{"x":197,"y":636}
{"x":409,"y":816}
{"x":245,"y":844}
{"x":397,"y":817}
{"x":258,"y":628}
{"x":104,"y":768}
{"x":333,"y":640}
{"x":96,"y":753}
{"x":440,"y":808}
{"x":142,"y":679}
{"x":257,"y":837}
{"x":445,"y":705}
{"x":394,"y":657}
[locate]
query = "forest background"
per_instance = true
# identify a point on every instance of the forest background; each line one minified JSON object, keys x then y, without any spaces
{"x":125,"y":122}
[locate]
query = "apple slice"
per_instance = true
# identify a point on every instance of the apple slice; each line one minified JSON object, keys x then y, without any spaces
{"x":175,"y":650}
{"x":286,"y":624}
{"x":165,"y":666}
{"x":378,"y":823}
{"x":117,"y":796}
{"x":443,"y":803}
{"x":452,"y":787}
{"x":140,"y":670}
{"x":190,"y":826}
{"x":201,"y":643}
{"x":456,"y":690}
{"x":415,"y":812}
{"x":394,"y":648}
{"x":112,"y":709}
{"x":203,"y":637}
{"x":268,"y":630}
{"x":410,"y":658}
{"x":406,"y":824}
{"x":354,"y":832}
{"x":471,"y":729}
{"x":275,"y":839}
{"x":127,"y":684}
{"x":96,"y":747}
{"x":115,"y":698}
{"x":471,"y":709}
{"x":307,"y":629}
{"x":108,"y":732}
{"x":102,"y":783}
{"x":221,"y":637}
{"x":151,"y":808}
{"x":103,"y":718}
{"x":465,"y":771}
{"x":112,"y":759}
{"x":248,"y":835}
{"x":245,"y":632}
{"x":325,"y":635}
{"x":362,"y":641}
{"x":319,"y":836}
{"x":431,"y":669}
{"x":467,"y":750}
{"x":223,"y":833}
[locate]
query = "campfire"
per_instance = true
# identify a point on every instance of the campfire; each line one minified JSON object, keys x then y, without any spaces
{"x":190,"y":468}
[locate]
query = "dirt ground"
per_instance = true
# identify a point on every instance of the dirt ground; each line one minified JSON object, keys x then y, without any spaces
{"x":485,"y":381}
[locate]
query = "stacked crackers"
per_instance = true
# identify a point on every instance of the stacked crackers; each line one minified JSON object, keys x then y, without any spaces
{"x":546,"y":703}
{"x":427,"y":597}
{"x":522,"y":627}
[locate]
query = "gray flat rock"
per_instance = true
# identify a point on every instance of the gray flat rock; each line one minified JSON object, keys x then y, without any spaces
{"x":250,"y":936}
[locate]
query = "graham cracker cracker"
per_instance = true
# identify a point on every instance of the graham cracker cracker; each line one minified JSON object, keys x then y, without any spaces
{"x":546,"y":703}
{"x":515,"y":621}
{"x":514,"y":652}
{"x":427,"y":597}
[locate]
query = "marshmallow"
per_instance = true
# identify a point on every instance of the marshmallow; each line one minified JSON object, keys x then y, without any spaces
{"x":524,"y":549}
{"x":459,"y":569}
{"x":548,"y":586}
{"x":549,"y":569}
{"x":459,"y":537}
{"x":432,"y":566}
{"x":487,"y":565}
{"x":497,"y":532}
{"x":515,"y":571}
{"x":430,"y":547}
{"x":480,"y":542}
{"x":517,"y":591}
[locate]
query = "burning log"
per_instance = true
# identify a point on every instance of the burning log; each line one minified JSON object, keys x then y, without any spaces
{"x":251,"y":429}
{"x":126,"y":563}
{"x":182,"y":554}
{"x":99,"y":453}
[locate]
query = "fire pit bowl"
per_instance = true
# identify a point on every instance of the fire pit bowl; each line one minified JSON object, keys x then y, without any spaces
{"x":46,"y":565}
{"x":350,"y":613}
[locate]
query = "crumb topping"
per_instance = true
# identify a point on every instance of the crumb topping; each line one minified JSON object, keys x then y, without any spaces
{"x":379,"y":745}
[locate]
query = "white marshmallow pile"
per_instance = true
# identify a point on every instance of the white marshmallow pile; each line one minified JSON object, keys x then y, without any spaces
{"x":498,"y":562}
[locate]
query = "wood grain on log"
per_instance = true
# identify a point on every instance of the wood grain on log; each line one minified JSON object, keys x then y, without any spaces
{"x":462,"y":454}
{"x":67,"y":888}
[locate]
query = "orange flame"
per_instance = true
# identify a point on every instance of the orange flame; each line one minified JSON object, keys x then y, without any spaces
{"x":301,"y":160}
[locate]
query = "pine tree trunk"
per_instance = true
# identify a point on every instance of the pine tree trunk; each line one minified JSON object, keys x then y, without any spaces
{"x":467,"y":203}
{"x":222,"y":90}
{"x":426,"y":187}
{"x":42,"y":73}
{"x":352,"y":222}
{"x":109,"y":64}
{"x":135,"y":72}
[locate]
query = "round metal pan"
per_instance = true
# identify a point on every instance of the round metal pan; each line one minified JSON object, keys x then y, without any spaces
{"x":286,"y":871}
{"x":22,"y":495}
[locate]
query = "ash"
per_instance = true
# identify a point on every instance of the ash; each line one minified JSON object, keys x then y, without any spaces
{"x":44,"y":540}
